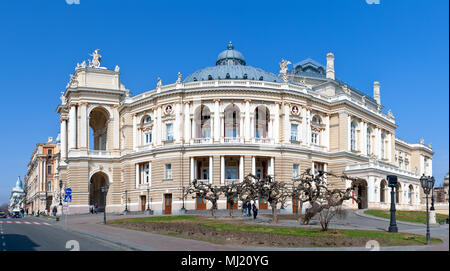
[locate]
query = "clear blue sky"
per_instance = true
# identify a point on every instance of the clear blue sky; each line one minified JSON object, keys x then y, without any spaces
{"x":403,"y":44}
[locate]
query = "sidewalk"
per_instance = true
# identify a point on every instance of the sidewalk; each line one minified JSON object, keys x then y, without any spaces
{"x":137,"y":240}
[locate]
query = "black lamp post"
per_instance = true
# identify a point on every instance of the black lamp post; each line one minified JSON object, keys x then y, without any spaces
{"x":148,"y":211}
{"x":432,"y":196}
{"x":393,"y":183}
{"x":126,"y":202}
{"x":427,"y":185}
{"x":183,"y":209}
{"x":105,"y":191}
{"x":60,"y":190}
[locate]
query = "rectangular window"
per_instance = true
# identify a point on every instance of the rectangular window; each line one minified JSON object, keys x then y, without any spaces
{"x":147,"y":173}
{"x":148,"y":138}
{"x":168,"y":171}
{"x":315,"y":138}
{"x":49,"y":151}
{"x":49,"y":170}
{"x":294,"y":132}
{"x":169,"y":132}
{"x":295,"y":171}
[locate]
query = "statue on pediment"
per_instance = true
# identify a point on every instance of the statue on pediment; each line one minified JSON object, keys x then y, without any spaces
{"x":422,"y":141}
{"x":159,"y":84}
{"x":390,"y":115}
{"x":179,"y":77}
{"x":283,"y":66}
{"x":96,"y":59}
{"x":117,"y":68}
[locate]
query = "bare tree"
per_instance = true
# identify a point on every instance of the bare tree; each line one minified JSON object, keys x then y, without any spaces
{"x":205,"y":190}
{"x":230,"y":191}
{"x":247,"y":189}
{"x":275,"y":192}
{"x":312,"y":188}
{"x":327,"y":214}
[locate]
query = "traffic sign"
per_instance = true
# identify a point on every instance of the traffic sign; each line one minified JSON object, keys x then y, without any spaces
{"x":68,"y":191}
{"x":67,"y":198}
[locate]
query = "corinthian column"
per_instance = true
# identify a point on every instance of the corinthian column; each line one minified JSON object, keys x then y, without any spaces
{"x":63,"y":133}
{"x":73,"y":127}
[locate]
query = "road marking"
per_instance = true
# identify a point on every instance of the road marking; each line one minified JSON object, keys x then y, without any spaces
{"x":27,"y":222}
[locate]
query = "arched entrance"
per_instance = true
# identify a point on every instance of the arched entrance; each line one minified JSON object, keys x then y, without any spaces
{"x":360,"y":192}
{"x":96,"y":196}
{"x":98,"y":129}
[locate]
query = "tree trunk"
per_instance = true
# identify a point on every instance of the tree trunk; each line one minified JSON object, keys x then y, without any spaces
{"x":274,"y":214}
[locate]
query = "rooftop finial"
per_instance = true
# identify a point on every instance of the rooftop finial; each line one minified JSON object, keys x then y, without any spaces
{"x":230,"y":46}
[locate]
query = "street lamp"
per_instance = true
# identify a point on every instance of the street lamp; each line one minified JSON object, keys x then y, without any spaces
{"x":183,"y":210}
{"x":104,"y":190}
{"x":126,"y":203}
{"x":60,"y":190}
{"x":427,"y":185}
{"x":148,"y":211}
{"x":393,"y":183}
{"x":432,"y":196}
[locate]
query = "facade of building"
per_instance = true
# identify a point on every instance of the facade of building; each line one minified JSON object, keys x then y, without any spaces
{"x":41,"y":181}
{"x":222,"y":123}
{"x":16,"y":199}
{"x":441,"y":193}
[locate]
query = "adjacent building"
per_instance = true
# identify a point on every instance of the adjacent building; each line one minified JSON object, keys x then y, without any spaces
{"x":41,"y":180}
{"x":219,"y":124}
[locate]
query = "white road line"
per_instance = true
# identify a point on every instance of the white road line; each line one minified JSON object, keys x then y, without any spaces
{"x":27,"y":222}
{"x":36,"y":223}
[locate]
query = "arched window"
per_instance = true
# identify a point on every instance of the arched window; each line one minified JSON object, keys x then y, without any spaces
{"x":353,"y":136}
{"x":262,"y":117}
{"x":232,"y":121}
{"x":316,"y":129}
{"x":98,"y":129}
{"x":410,"y":194}
{"x":203,"y":122}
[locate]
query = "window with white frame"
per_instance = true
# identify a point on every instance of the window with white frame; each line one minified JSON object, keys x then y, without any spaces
{"x":168,"y":172}
{"x":295,"y":171}
{"x":148,"y":138}
{"x":294,"y":132}
{"x":315,"y":138}
{"x":353,"y":136}
{"x":169,"y":131}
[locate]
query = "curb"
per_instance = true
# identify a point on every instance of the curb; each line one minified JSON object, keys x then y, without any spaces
{"x":362,"y":214}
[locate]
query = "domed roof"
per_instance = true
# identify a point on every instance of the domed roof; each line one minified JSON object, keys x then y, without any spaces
{"x":230,"y":57}
{"x":231,"y":64}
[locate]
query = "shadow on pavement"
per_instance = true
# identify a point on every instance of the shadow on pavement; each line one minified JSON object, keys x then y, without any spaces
{"x":17,"y":242}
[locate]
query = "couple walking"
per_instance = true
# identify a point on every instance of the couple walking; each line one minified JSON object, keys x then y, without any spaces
{"x":249,"y":207}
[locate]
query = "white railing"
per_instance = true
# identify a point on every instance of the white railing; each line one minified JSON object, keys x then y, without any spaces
{"x":231,"y":181}
{"x":259,"y":140}
{"x":203,"y":181}
{"x":382,"y":166}
{"x":100,"y":153}
{"x":203,"y":140}
{"x":232,"y":140}
{"x":318,"y":147}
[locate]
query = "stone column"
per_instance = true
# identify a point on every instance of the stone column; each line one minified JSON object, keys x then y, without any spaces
{"x":63,"y":133}
{"x":304,"y":129}
{"x":73,"y":127}
{"x":192,"y":169}
{"x":326,"y":133}
{"x":176,"y":126}
{"x":253,"y":165}
{"x":210,"y":169}
{"x":135,"y":132}
{"x":241,"y":168}
{"x":242,"y":127}
{"x":83,"y":126}
{"x":222,"y":169}
{"x":216,"y":120}
{"x":187,"y":123}
{"x":276,"y":123}
{"x":308,"y":127}
{"x":371,"y":189}
{"x":137,"y":175}
{"x":159,"y":128}
{"x":247,"y":124}
{"x":349,"y":122}
{"x":116,"y":125}
{"x":286,"y":123}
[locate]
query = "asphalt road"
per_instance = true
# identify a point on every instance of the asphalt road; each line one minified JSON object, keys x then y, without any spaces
{"x":31,"y":234}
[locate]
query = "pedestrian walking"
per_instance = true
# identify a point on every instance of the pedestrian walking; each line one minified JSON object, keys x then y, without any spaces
{"x":249,"y":208}
{"x":244,"y":207}
{"x":255,"y":210}
{"x":55,"y":210}
{"x":96,"y":208}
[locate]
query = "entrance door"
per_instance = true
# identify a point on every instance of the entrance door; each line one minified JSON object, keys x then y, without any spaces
{"x":262,"y":203}
{"x":201,"y":203}
{"x":143,"y":202}
{"x":294,"y":206}
{"x":235,"y":204}
{"x":167,"y":204}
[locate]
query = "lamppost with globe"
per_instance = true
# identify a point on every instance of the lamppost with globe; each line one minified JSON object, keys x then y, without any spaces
{"x":427,"y":183}
{"x":105,"y":191}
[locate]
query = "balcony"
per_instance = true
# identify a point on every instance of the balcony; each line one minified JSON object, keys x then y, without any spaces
{"x":144,"y":147}
{"x":318,"y":148}
{"x":295,"y":140}
{"x":203,"y":181}
{"x":379,"y":165}
{"x":203,"y":140}
{"x":232,"y":140}
{"x":259,"y":140}
{"x":231,"y":181}
{"x":100,"y":153}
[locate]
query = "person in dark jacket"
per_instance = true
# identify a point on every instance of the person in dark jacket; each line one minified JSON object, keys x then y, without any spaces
{"x":255,"y":210}
{"x":244,"y":208}
{"x":249,"y":207}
